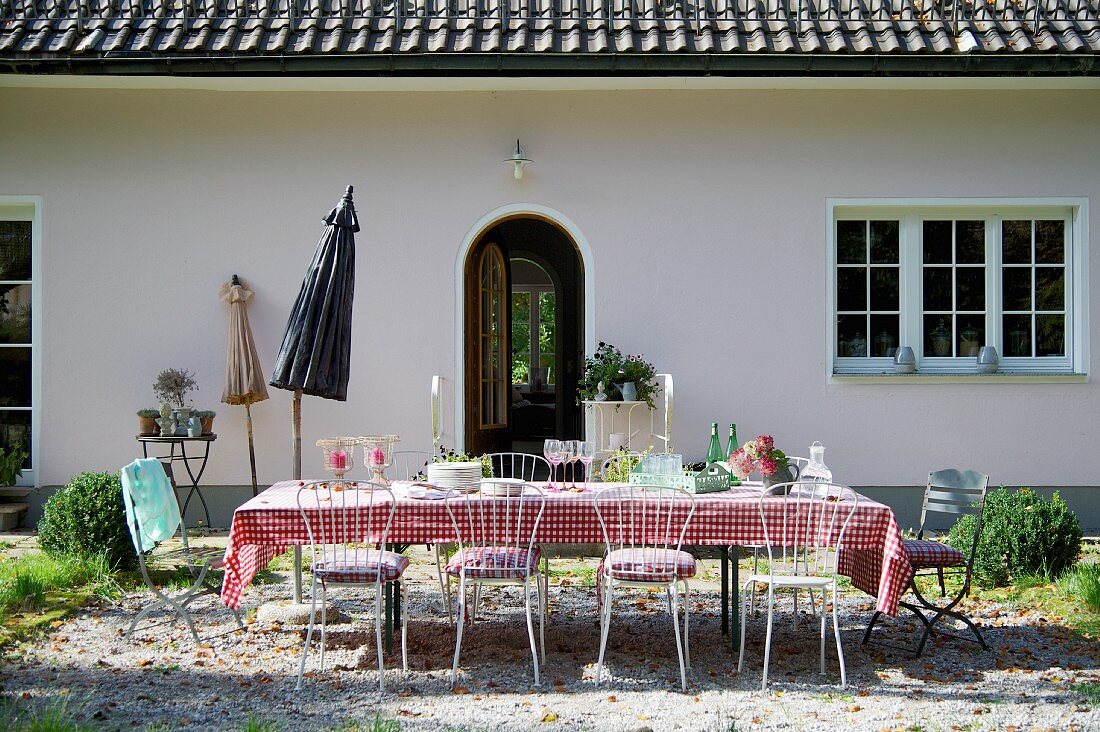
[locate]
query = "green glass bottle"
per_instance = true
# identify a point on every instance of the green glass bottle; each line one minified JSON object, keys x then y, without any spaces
{"x":732,"y":446}
{"x":714,"y":453}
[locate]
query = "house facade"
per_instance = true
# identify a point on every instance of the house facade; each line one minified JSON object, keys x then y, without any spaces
{"x":765,"y":201}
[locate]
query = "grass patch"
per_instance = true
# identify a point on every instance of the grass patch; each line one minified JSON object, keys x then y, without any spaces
{"x":1090,"y":692}
{"x":257,"y":725}
{"x":1082,"y":583}
{"x":53,"y":716}
{"x":374,"y":725}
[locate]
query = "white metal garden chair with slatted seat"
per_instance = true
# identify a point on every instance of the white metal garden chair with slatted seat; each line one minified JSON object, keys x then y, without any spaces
{"x":798,"y":463}
{"x":153,"y":515}
{"x":495,"y":525}
{"x":348,"y":525}
{"x":644,"y":528}
{"x":804,"y":525}
{"x":954,"y":493}
{"x":413,"y":465}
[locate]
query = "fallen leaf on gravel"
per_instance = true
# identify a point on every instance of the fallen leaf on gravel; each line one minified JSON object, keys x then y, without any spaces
{"x":56,"y":624}
{"x":407,"y":713}
{"x":863,"y":692}
{"x":492,"y":684}
{"x":549,"y":716}
{"x":613,"y":698}
{"x":854,"y":708}
{"x":461,"y":690}
{"x":643,"y":717}
{"x":143,"y":662}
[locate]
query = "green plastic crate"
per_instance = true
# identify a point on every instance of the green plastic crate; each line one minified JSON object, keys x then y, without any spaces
{"x":715,"y":477}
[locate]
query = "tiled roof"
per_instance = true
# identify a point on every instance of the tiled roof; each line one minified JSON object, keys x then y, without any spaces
{"x":202,"y":29}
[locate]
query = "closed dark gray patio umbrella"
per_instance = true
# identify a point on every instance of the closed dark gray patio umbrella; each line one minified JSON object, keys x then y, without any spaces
{"x":315,"y":355}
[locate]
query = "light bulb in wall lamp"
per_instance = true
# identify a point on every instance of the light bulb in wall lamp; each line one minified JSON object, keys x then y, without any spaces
{"x":518,"y":160}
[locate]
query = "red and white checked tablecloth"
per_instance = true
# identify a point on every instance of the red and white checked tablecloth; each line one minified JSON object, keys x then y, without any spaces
{"x":872,"y":555}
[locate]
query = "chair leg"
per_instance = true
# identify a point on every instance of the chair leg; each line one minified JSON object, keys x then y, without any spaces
{"x":378,"y":604}
{"x":324,"y":622}
{"x":755,"y":570}
{"x":839,"y":643}
{"x":746,"y":602}
{"x":309,"y":633}
{"x":460,"y":597}
{"x":605,"y":625}
{"x":768,"y":638}
{"x":404,"y":626}
{"x":870,"y":626}
{"x":444,"y":583}
{"x":687,"y":614}
{"x":543,"y":592}
{"x":675,"y":595}
{"x":531,"y":627}
{"x":823,"y":620}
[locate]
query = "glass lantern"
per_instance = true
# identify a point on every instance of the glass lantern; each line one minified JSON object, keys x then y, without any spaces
{"x":378,"y":455}
{"x":339,"y":454}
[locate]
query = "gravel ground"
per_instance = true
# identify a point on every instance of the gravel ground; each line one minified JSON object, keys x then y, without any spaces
{"x":160,"y":679}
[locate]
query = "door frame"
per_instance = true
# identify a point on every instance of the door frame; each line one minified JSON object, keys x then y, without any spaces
{"x":473,"y":234}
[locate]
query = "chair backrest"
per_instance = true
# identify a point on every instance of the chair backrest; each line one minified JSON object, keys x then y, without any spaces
{"x":519,"y":465}
{"x":631,"y":458}
{"x":149,"y":497}
{"x":410,"y":464}
{"x":483,"y":518}
{"x":339,"y":514}
{"x":804,"y":526}
{"x":653,"y":518}
{"x":954,"y":492}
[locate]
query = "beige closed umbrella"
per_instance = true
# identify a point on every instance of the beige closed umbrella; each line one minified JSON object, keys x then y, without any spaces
{"x":244,"y":379}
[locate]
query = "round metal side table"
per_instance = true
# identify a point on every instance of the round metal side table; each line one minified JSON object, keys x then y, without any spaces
{"x":187,"y":459}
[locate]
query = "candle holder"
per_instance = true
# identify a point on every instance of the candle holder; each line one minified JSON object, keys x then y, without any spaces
{"x":378,"y":455}
{"x":339,"y":454}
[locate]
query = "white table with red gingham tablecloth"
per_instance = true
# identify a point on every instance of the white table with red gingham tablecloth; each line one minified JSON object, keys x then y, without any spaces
{"x":872,"y":555}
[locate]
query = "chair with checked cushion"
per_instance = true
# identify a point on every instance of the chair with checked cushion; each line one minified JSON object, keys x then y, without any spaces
{"x":950,"y":492}
{"x":495,"y":526}
{"x":150,"y":481}
{"x":348,"y":524}
{"x":644,"y":528}
{"x":804,"y":524}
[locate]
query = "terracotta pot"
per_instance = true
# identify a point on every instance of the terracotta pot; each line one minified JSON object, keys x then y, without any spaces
{"x":207,"y":425}
{"x":148,"y":426}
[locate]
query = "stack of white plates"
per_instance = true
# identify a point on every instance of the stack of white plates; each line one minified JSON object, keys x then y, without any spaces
{"x":454,"y":475}
{"x":502,"y":487}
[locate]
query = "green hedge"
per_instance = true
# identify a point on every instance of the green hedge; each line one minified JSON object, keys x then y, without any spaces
{"x":1023,"y":534}
{"x":87,"y":517}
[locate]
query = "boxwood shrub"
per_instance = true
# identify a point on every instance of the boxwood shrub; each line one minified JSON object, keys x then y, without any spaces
{"x":87,"y":517}
{"x":1022,"y":534}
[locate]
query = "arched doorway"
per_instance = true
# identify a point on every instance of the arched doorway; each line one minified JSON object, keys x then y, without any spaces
{"x":523,"y":285}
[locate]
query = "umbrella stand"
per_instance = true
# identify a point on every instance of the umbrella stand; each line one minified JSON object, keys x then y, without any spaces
{"x":296,"y":409}
{"x":251,"y":448}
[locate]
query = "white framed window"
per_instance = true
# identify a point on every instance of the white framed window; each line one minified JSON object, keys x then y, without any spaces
{"x":533,"y":334}
{"x":946,"y":277}
{"x":20,"y":308}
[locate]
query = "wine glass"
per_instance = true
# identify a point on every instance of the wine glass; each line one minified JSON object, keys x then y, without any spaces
{"x":551,"y":450}
{"x":568,"y":456}
{"x":586,"y":452}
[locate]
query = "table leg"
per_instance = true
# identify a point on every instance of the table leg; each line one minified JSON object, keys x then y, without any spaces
{"x":723,"y":559}
{"x":297,"y":575}
{"x":735,"y":591}
{"x":195,"y":477}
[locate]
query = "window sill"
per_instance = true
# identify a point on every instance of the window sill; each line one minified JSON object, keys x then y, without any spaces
{"x":1001,"y":377}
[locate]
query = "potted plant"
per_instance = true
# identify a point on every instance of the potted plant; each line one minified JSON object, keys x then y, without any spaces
{"x":11,"y":464}
{"x":207,"y":418}
{"x":633,"y":376}
{"x":171,"y":387}
{"x":147,"y":422}
{"x":762,"y":456}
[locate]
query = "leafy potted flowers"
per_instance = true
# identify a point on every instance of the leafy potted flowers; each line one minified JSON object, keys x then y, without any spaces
{"x":609,"y":375}
{"x":762,"y":456}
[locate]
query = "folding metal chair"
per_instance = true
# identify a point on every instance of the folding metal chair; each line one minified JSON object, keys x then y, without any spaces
{"x":948,"y":492}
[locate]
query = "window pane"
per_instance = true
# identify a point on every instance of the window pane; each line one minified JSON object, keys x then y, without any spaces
{"x":1050,"y":242}
{"x":971,"y":334}
{"x":850,"y":341}
{"x":1050,"y":335}
{"x":15,"y":430}
{"x":851,"y":242}
{"x":884,"y":242}
{"x":937,"y":335}
{"x":937,"y":288}
{"x":15,"y":377}
{"x":970,"y":242}
{"x":885,"y":339}
{"x":851,"y":288}
{"x":15,"y":313}
{"x":546,"y":307}
{"x":884,"y":288}
{"x":937,"y":242}
{"x":970,"y":288}
{"x":1017,"y":288}
{"x":1016,"y":242}
{"x":1017,"y":335}
{"x":15,"y":250}
{"x":1050,"y":288}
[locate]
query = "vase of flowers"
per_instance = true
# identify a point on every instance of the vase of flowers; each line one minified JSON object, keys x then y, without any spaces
{"x":609,"y":366}
{"x":761,"y":456}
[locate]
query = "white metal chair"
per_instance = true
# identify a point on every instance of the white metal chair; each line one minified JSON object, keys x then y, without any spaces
{"x":798,"y":463}
{"x":520,"y":465}
{"x":148,"y":491}
{"x":410,"y":464}
{"x":804,"y":526}
{"x":951,"y":492}
{"x":495,"y":532}
{"x":644,"y":528}
{"x":343,"y":518}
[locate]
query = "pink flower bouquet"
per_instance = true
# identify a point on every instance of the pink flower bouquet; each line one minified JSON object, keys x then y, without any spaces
{"x":757,"y":456}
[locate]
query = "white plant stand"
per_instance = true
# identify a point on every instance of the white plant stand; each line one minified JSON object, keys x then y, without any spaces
{"x":634,"y":419}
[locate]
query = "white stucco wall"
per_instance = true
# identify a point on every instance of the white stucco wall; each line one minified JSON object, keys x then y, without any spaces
{"x":704,"y":210}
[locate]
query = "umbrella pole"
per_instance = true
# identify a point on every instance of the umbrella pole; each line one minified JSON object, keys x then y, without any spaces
{"x":296,"y":409}
{"x":251,"y":447}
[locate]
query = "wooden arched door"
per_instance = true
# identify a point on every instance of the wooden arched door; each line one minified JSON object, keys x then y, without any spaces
{"x":488,"y":350}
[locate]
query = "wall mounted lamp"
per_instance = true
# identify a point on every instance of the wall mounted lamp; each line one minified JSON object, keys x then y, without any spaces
{"x":518,"y":160}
